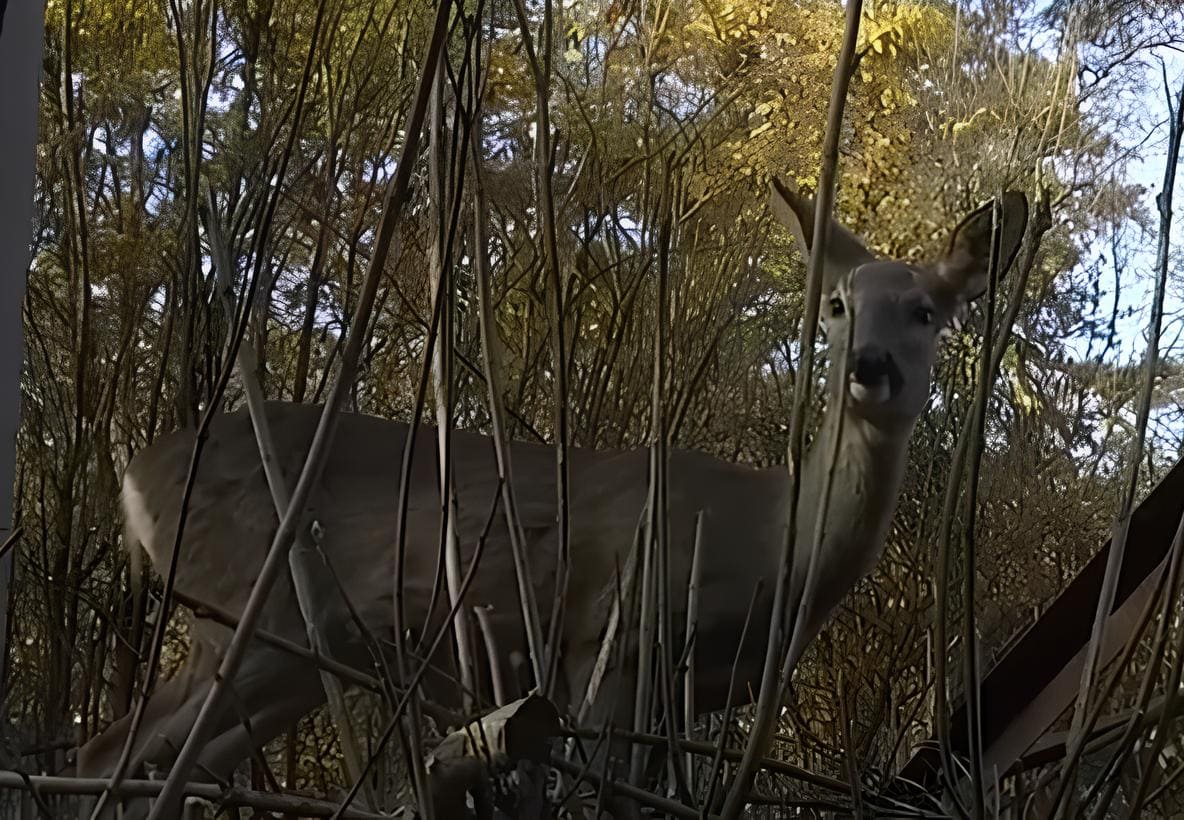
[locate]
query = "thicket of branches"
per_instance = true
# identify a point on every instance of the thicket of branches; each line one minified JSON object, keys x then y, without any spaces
{"x":679,"y":110}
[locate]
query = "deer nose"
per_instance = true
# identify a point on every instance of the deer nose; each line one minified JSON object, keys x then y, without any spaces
{"x":869,"y":365}
{"x":874,"y":376}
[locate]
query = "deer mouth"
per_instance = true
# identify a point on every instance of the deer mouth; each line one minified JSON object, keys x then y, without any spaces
{"x":876,"y":392}
{"x":873,"y":377}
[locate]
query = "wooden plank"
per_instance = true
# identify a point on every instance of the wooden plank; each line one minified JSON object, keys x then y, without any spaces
{"x":1036,"y":680}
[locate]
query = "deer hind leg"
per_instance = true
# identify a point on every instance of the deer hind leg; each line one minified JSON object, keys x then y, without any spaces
{"x":266,"y":701}
{"x":174,"y":700}
{"x":270,"y":692}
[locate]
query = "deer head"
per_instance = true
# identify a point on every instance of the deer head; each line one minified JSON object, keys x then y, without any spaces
{"x":898,"y":307}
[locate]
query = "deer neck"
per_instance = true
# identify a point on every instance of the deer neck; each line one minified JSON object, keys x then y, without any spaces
{"x":863,"y":497}
{"x":866,"y":448}
{"x":864,"y":490}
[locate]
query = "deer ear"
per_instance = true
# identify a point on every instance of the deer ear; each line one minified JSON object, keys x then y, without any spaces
{"x":966,"y":264}
{"x":844,"y":251}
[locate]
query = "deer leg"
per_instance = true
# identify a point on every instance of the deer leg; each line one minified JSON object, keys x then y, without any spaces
{"x":99,"y":756}
{"x":177,"y":699}
{"x":612,"y":704}
{"x":271,"y":707}
{"x":269,"y":693}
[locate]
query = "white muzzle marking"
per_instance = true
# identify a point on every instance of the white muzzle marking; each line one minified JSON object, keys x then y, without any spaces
{"x":870,"y":393}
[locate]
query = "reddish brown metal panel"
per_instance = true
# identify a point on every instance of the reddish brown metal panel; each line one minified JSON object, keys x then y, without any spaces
{"x":1032,"y":683}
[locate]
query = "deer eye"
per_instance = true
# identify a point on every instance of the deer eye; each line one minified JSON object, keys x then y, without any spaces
{"x":923,"y":315}
{"x":837,"y":308}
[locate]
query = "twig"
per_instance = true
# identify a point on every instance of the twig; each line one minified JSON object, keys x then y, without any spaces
{"x":669,"y":807}
{"x":661,"y":509}
{"x":619,"y":616}
{"x":772,"y":684}
{"x":312,"y":607}
{"x":397,"y":196}
{"x":11,"y":541}
{"x":972,"y":678}
{"x":601,"y":736}
{"x":1161,"y":729}
{"x":213,"y":612}
{"x":541,"y":68}
{"x":1167,"y":783}
{"x":1039,"y":226}
{"x":1132,"y":644}
{"x":1114,"y":558}
{"x":493,"y":654}
{"x":425,"y":664}
{"x":717,"y":762}
{"x":202,"y":609}
{"x":647,"y":621}
{"x":441,"y":370}
{"x":501,"y":448}
{"x":263,"y":801}
{"x":1107,"y":784}
{"x":851,"y":763}
{"x":704,"y":749}
{"x":35,"y":793}
{"x":414,"y":739}
{"x":158,"y":633}
{"x":692,"y":625}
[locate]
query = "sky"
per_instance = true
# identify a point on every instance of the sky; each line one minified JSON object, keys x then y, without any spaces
{"x":1150,"y":136}
{"x":1147,"y":170}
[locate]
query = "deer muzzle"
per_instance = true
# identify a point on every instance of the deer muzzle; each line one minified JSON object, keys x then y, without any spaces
{"x":873,"y":376}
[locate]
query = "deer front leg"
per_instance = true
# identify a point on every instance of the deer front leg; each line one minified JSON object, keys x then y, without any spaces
{"x":611,"y":706}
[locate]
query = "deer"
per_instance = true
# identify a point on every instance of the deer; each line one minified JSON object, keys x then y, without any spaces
{"x":889,"y":315}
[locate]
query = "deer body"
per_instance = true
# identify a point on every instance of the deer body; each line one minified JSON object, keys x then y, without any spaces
{"x":887,"y":372}
{"x":744,"y":526}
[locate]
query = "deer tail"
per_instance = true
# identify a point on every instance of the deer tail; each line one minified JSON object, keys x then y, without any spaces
{"x":136,"y":524}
